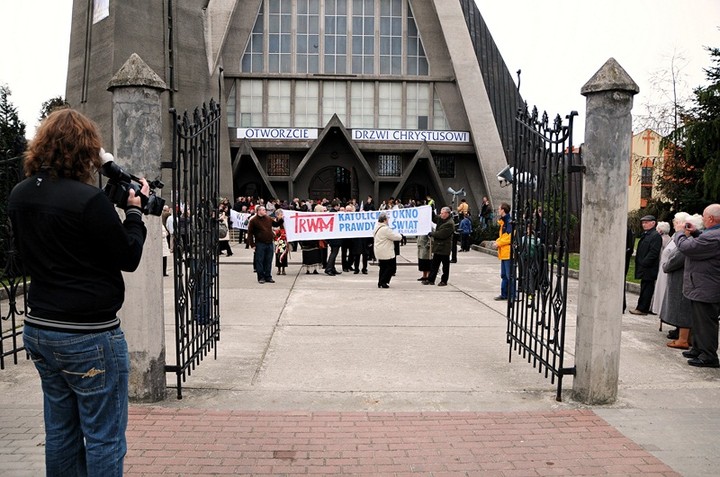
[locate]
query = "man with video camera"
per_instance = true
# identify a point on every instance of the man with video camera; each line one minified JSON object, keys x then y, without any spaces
{"x":74,"y":246}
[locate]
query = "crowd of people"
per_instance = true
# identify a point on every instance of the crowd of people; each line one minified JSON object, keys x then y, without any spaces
{"x":680,"y":281}
{"x":262,"y":229}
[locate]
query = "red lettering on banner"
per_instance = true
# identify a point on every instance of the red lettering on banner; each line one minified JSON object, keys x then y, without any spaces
{"x":314,"y":223}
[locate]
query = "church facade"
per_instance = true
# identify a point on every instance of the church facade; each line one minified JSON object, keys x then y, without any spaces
{"x":321,"y":98}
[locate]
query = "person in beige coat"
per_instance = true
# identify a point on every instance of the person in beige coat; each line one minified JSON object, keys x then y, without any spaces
{"x":384,"y":246}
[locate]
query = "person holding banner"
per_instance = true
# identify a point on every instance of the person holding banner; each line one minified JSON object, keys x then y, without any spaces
{"x":384,"y":244}
{"x":441,"y":247}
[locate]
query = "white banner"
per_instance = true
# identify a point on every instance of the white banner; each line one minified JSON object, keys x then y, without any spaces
{"x":410,"y":221}
{"x":239,"y":219}
{"x":406,"y":135}
{"x":298,"y":134}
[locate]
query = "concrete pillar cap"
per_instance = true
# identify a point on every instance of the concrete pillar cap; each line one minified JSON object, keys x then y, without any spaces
{"x":135,"y":72}
{"x":611,"y":77}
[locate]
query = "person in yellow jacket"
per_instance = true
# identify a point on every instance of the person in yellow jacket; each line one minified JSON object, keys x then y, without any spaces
{"x":503,"y":242}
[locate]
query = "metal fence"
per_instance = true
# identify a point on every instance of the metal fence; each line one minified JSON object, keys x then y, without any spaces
{"x":542,"y":224}
{"x":14,"y":285}
{"x":195,"y":184}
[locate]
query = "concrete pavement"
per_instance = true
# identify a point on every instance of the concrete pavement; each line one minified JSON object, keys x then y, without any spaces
{"x":312,"y":351}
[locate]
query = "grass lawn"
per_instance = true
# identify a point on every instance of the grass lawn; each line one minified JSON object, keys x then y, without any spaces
{"x":574,"y":263}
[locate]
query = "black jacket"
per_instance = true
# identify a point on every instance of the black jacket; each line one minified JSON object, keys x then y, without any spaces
{"x":647,"y":256}
{"x":74,"y":247}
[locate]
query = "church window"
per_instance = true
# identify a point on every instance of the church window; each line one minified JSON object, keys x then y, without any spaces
{"x":417,"y":63}
{"x":418,"y":105}
{"x":252,"y":61}
{"x":280,"y":36}
{"x":231,"y":107}
{"x":306,"y":104}
{"x":278,"y":164}
{"x":334,"y":100}
{"x":390,"y":105}
{"x":363,"y":37}
{"x":335,"y":56}
{"x":389,"y":165}
{"x":362,"y":104}
{"x":391,"y":37}
{"x":279,"y":101}
{"x":308,"y":36}
{"x":445,"y":166}
{"x":251,"y":103}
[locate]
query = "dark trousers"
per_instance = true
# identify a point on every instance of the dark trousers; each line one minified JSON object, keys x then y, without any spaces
{"x":387,"y":270}
{"x":647,"y":288}
{"x":330,"y":266}
{"x":705,"y":329}
{"x":264,"y":254}
{"x":438,"y":259}
{"x":224,"y":246}
{"x":465,"y":242}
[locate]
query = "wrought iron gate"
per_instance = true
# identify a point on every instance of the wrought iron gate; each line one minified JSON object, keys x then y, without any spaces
{"x":195,"y":185}
{"x":13,"y":292}
{"x":542,"y":224}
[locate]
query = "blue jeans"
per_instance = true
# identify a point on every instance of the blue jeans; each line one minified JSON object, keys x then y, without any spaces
{"x":505,"y":281}
{"x":264,"y":254}
{"x":84,"y":378}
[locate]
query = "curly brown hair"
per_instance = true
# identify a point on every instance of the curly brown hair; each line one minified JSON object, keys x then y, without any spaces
{"x":67,"y":144}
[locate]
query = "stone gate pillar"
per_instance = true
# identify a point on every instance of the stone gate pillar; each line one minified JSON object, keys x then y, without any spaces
{"x":137,"y":139}
{"x":606,"y":155}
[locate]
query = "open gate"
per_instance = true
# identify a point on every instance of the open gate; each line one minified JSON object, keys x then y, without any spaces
{"x":13,"y":292}
{"x":195,"y":183}
{"x":542,"y":223}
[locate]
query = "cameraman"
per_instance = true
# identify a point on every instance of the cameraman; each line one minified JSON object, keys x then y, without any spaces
{"x":74,"y":246}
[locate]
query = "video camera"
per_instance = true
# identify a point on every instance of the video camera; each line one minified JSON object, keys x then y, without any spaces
{"x":120,"y":182}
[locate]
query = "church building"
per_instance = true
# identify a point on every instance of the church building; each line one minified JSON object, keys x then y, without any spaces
{"x":320,"y":98}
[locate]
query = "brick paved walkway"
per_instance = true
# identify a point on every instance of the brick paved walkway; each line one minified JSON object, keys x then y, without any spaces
{"x":182,"y":442}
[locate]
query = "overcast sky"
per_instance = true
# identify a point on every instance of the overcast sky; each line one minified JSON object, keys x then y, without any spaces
{"x":558,"y":45}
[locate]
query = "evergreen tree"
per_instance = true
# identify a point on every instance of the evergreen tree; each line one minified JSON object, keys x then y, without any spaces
{"x":51,"y":105}
{"x":691,"y":171}
{"x":12,"y":130}
{"x":702,"y":131}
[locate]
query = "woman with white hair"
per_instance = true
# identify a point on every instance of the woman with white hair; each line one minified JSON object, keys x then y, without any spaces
{"x":675,"y":307}
{"x":384,"y":245}
{"x":663,"y":228}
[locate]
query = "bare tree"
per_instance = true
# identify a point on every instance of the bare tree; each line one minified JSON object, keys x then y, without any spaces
{"x":670,"y":97}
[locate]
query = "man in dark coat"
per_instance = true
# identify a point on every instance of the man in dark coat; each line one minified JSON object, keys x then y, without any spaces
{"x":701,"y":285}
{"x":442,"y":245}
{"x":647,"y":263}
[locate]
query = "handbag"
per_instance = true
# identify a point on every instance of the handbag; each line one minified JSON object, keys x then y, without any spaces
{"x":222,"y":230}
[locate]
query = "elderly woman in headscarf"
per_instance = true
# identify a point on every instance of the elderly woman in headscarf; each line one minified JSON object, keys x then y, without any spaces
{"x":675,"y":306}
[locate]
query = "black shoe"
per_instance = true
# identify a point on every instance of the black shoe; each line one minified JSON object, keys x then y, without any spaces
{"x":330,"y":273}
{"x":383,"y":285}
{"x":261,"y":281}
{"x":701,"y":363}
{"x":442,"y":284}
{"x":364,"y":272}
{"x":421,"y":279}
{"x":428,"y":282}
{"x":500,"y":298}
{"x":269,"y":280}
{"x":691,"y":353}
{"x":356,"y":272}
{"x":453,"y":261}
{"x":336,"y":272}
{"x":673,"y":334}
{"x":315,"y":272}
